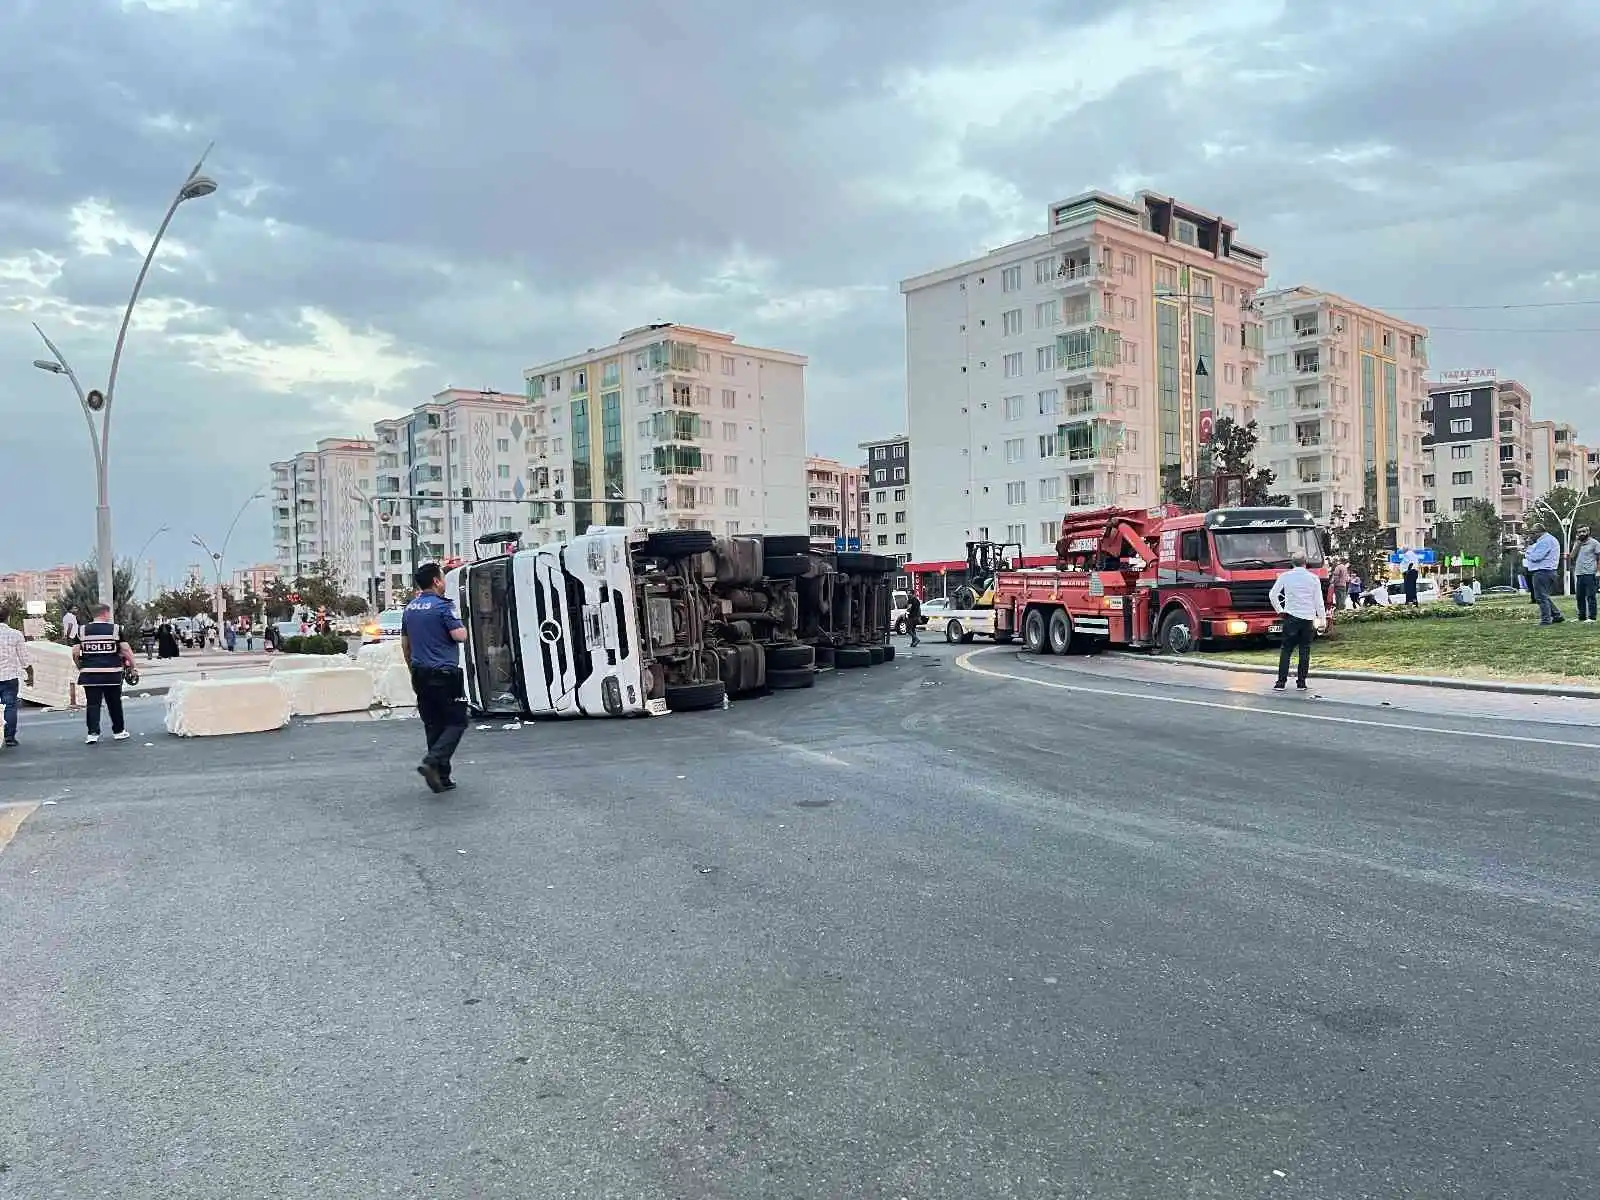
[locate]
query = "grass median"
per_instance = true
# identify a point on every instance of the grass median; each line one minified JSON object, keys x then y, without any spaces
{"x":1499,"y":638}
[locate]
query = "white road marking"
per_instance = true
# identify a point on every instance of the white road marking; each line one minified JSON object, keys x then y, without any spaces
{"x":791,"y":748}
{"x":966,"y":664}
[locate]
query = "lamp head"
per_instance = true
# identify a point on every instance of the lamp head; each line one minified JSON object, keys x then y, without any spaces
{"x":200,"y":185}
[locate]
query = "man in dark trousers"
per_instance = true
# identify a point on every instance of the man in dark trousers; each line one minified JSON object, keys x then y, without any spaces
{"x":101,"y":655}
{"x":1297,"y":596}
{"x":430,"y":636}
{"x":913,"y":616}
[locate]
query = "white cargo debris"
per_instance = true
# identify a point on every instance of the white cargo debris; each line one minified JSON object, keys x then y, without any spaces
{"x":315,"y":693}
{"x":374,"y":655}
{"x":304,"y":662}
{"x":217,"y":707}
{"x":391,"y":686}
{"x":55,"y":678}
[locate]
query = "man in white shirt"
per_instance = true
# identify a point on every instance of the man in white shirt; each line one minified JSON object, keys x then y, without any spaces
{"x":1297,"y":595}
{"x":13,"y":669}
{"x":69,"y":626}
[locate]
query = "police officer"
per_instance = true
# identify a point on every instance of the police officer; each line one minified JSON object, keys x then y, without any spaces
{"x":101,"y":655}
{"x":430,"y":633}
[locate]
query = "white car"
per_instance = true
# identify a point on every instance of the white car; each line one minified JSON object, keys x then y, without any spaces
{"x":1427,"y":591}
{"x":386,"y":628}
{"x":957,"y":624}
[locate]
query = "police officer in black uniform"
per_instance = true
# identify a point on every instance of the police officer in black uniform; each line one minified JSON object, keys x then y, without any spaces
{"x":101,"y":655}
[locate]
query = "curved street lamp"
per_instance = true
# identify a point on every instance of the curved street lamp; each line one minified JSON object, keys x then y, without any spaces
{"x":217,"y":556}
{"x":139,"y":556}
{"x":95,"y":402}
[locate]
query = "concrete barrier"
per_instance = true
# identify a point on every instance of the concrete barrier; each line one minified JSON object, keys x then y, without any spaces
{"x":219,"y":707}
{"x":391,"y":686}
{"x":55,"y":676}
{"x":282,"y":663}
{"x":315,"y":693}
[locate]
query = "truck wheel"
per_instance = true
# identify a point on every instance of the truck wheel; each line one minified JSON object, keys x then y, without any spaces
{"x":852,"y":656}
{"x":785,"y":543}
{"x":888,"y":654}
{"x":783,"y":681}
{"x":678,"y":543}
{"x":1035,"y":632}
{"x":787,"y":566}
{"x":875,"y":653}
{"x":856,"y":563}
{"x":824,"y":656}
{"x":1177,"y":634}
{"x":695,"y":697}
{"x":952,"y":632}
{"x":790,"y":656}
{"x":1060,"y":632}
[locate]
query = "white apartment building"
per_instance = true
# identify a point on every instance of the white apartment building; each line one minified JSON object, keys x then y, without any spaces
{"x":1559,"y":459}
{"x":1343,"y":425}
{"x":321,"y":511}
{"x":673,"y":427}
{"x":461,"y":442}
{"x":1478,"y":447}
{"x":886,"y":499}
{"x":1074,"y":369}
{"x":833,"y":503}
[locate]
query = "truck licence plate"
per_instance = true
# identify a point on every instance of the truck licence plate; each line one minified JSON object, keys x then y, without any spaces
{"x":1275,"y":627}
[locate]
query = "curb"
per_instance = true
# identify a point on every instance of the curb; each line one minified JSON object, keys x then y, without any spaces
{"x":1504,"y":687}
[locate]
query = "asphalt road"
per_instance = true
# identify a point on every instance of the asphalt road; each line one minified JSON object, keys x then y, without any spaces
{"x":919,"y":932}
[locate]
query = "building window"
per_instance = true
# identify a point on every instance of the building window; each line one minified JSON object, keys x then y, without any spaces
{"x":881,"y":519}
{"x":730,"y":431}
{"x":899,"y":474}
{"x":900,"y":517}
{"x":502,"y":471}
{"x":1013,"y":408}
{"x":1015,"y":533}
{"x":1014,"y":450}
{"x":1050,"y":488}
{"x":1130,"y":352}
{"x":880,"y":476}
{"x":1463,"y":425}
{"x":1011,"y":280}
{"x":730,"y":464}
{"x":1044,"y":270}
{"x":1466,"y":451}
{"x":1429,"y":507}
{"x":1130,"y":397}
{"x":900,"y":540}
{"x":1460,"y":400}
{"x":1011,"y":322}
{"x":730,"y":398}
{"x":1130,"y":265}
{"x":1427,"y":481}
{"x":1014,"y":365}
{"x":900,"y":450}
{"x":1049,"y":402}
{"x":1227,"y":373}
{"x":1049,"y":445}
{"x":730,"y":497}
{"x":1016,"y":493}
{"x":728,"y":365}
{"x":1460,"y":478}
{"x":1046,"y":313}
{"x":883,"y":539}
{"x":1461,"y":504}
{"x":1044,"y":359}
{"x":899,"y":496}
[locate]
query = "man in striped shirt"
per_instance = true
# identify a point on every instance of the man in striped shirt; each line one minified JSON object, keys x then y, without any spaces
{"x":13,"y":666}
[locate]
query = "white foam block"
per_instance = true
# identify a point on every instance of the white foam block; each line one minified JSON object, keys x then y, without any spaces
{"x":55,"y":675}
{"x":374,"y":655}
{"x":304,"y":662}
{"x":391,"y":685}
{"x":218,"y":707}
{"x":329,"y":690}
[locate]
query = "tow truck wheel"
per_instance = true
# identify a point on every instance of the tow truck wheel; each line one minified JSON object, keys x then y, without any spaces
{"x":695,"y":697}
{"x":875,"y":653}
{"x":1060,"y":632}
{"x":1177,"y":635}
{"x":790,"y":657}
{"x":1034,"y":635}
{"x":800,"y":677}
{"x":952,"y":632}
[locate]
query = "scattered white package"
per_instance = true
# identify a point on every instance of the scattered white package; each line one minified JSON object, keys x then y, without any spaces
{"x":391,"y":685}
{"x":218,"y":707}
{"x":375,"y":655}
{"x":329,"y":690}
{"x":55,"y":677}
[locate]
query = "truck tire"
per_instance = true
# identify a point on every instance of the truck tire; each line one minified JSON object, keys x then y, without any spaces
{"x":695,"y":697}
{"x":1060,"y":632}
{"x":790,"y":656}
{"x":1036,"y":631}
{"x":875,"y":654}
{"x":678,"y":543}
{"x":888,"y":654}
{"x":824,"y":656}
{"x":852,"y":656}
{"x":800,"y":677}
{"x":785,"y":543}
{"x":864,"y":564}
{"x":788,"y":566}
{"x":952,"y":632}
{"x":1177,"y":633}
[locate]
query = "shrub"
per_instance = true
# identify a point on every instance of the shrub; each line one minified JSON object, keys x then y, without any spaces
{"x":1443,"y":610}
{"x":316,"y":643}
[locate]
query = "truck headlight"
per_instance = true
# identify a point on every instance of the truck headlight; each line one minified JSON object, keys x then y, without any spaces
{"x":1236,"y":628}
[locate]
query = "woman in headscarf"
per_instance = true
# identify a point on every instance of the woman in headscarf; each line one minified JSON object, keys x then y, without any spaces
{"x":166,"y":641}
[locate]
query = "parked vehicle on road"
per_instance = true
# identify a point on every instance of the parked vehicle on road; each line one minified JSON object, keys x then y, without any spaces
{"x":1155,"y":579}
{"x":956,"y":624}
{"x":385,"y":627}
{"x":621,"y":622}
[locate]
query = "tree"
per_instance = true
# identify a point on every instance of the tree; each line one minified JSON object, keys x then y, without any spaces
{"x":275,"y":602}
{"x":13,"y":603}
{"x":319,"y":586}
{"x":353,"y":606}
{"x":190,"y":600}
{"x":1361,"y":540}
{"x":1230,"y":451}
{"x":1475,"y":532}
{"x":83,"y":594}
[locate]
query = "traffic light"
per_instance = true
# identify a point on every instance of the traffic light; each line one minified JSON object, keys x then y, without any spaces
{"x":466,"y":500}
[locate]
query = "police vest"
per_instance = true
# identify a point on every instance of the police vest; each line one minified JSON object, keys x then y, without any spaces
{"x":99,"y":655}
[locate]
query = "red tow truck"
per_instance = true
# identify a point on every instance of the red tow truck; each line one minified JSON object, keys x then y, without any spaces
{"x":1156,"y":578}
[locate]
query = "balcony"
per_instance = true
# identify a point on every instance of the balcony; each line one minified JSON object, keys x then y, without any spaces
{"x":1086,"y":314}
{"x":677,"y":460}
{"x":1080,"y":500}
{"x":1312,"y":331}
{"x":1308,"y":365}
{"x":1072,"y":275}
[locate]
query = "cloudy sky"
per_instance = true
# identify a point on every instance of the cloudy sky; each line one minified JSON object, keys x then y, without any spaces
{"x":418,"y":195}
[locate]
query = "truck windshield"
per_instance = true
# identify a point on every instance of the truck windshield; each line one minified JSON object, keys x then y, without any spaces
{"x":1266,"y":547}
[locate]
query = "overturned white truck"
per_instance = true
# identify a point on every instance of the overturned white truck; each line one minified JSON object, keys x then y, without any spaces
{"x":620,"y":622}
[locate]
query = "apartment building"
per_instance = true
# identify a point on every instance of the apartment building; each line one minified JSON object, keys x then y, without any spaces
{"x":462,"y":442}
{"x":1343,"y":425}
{"x":321,"y":511}
{"x":46,"y":585}
{"x":833,"y":504}
{"x":1559,"y":459}
{"x":1076,"y":368}
{"x":886,"y":499}
{"x":1479,"y":447}
{"x":673,"y":427}
{"x":254,"y":579}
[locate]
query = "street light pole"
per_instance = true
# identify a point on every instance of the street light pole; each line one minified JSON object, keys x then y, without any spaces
{"x":194,"y":186}
{"x":139,"y":556}
{"x":218,"y":601}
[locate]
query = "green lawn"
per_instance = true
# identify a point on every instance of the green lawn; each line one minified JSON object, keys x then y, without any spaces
{"x":1497,"y":639}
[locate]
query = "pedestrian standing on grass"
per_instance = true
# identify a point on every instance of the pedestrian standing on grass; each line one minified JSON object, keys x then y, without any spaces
{"x":1585,"y":574}
{"x":13,"y":668}
{"x":430,"y":639}
{"x":1409,"y":577}
{"x":1541,"y":561}
{"x":1339,"y":582}
{"x":102,"y":655}
{"x":1297,"y":595}
{"x":913,"y":617}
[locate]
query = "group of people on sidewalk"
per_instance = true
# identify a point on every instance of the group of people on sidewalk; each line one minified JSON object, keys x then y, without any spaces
{"x":102,"y":656}
{"x":1542,"y":560}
